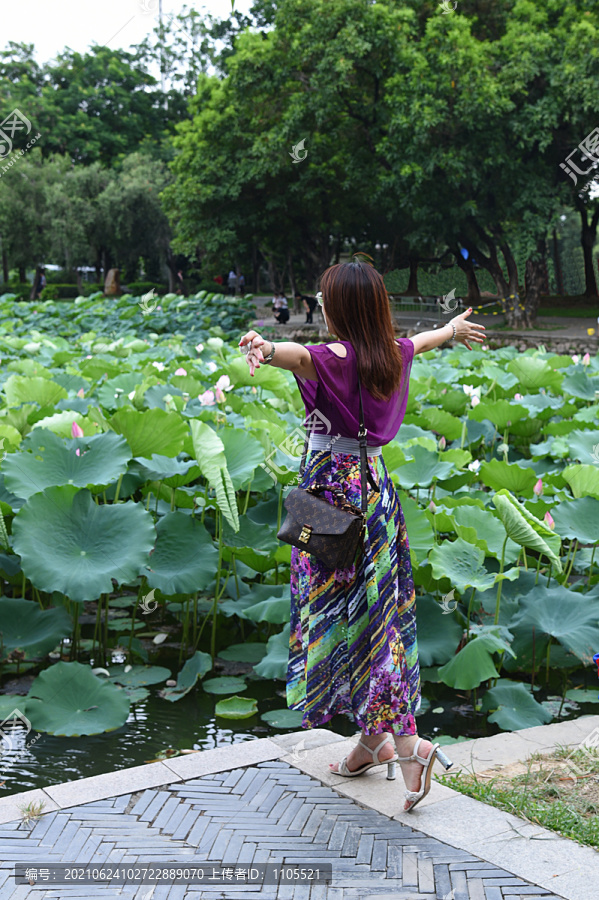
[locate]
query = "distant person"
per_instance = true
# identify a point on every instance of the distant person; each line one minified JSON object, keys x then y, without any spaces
{"x":232,"y":282}
{"x":309,"y":305}
{"x":280,"y":308}
{"x":241,"y":282}
{"x":42,"y":282}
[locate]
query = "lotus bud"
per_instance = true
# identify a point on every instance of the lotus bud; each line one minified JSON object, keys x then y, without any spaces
{"x":442,"y":443}
{"x":224,"y":383}
{"x":475,"y":400}
{"x":131,"y":395}
{"x":548,"y":520}
{"x":575,"y":358}
{"x":80,"y":392}
{"x":207,"y":398}
{"x":538,"y":488}
{"x":220,"y":397}
{"x":432,"y":507}
{"x":76,"y":430}
{"x":517,"y":396}
{"x":586,"y":359}
{"x":199,"y":348}
{"x":180,"y":372}
{"x":159,"y":366}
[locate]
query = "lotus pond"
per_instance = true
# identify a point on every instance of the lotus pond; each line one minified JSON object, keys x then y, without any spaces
{"x":145,"y":597}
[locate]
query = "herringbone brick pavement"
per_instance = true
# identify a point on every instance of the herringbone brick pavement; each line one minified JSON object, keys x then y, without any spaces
{"x":269,"y":812}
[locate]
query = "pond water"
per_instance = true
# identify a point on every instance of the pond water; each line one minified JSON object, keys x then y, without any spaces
{"x":36,"y":760}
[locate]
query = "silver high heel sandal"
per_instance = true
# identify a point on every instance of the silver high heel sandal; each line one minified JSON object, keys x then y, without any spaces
{"x":425,"y":784}
{"x":390,"y":763}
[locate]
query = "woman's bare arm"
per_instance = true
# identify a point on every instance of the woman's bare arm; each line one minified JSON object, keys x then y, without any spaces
{"x":465,"y":332}
{"x":288,"y":355}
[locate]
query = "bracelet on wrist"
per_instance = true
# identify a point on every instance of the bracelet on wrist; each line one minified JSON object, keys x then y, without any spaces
{"x":268,"y":358}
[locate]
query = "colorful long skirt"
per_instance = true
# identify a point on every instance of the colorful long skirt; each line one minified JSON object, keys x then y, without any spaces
{"x":352,"y":646}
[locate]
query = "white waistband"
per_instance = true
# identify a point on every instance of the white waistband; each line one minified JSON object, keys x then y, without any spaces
{"x":339,"y":444}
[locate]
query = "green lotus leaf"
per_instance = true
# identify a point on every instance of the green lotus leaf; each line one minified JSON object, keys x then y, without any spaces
{"x":45,"y":460}
{"x":274,"y":663}
{"x":250,"y":652}
{"x":438,"y":633}
{"x":578,"y":384}
{"x":139,"y":676}
{"x":266,"y":377}
{"x":236,"y":708}
{"x":578,"y":519}
{"x":150,"y":431}
{"x":10,"y":439}
{"x":514,"y":706}
{"x":69,"y":700}
{"x":20,"y":389}
{"x":525,"y":529}
{"x":224,"y":685}
{"x":541,"y":405}
{"x":184,"y":559}
{"x":24,"y":626}
{"x":498,"y":474}
{"x":565,"y":615}
{"x":583,"y":480}
{"x":276,"y":610}
{"x":481,"y":528}
{"x":442,"y":422}
{"x":420,"y":532}
{"x":423,"y":468}
{"x":110,"y":391}
{"x":462,"y":564}
{"x":534,"y":374}
{"x":167,"y":468}
{"x":196,"y":667}
{"x":471,"y":666}
{"x":504,"y":379}
{"x":394,"y":455}
{"x":584,"y":446}
{"x":582,"y":696}
{"x":12,"y":707}
{"x":283,"y":718}
{"x":70,"y":544}
{"x":243,"y":454}
{"x":209,"y":452}
{"x":502,"y":413}
{"x":135,"y":694}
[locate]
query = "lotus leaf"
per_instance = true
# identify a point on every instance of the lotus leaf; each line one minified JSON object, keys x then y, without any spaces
{"x":243,"y":454}
{"x":498,"y":474}
{"x":236,"y":708}
{"x":24,"y":626}
{"x":70,"y":544}
{"x":578,"y":384}
{"x":472,"y":665}
{"x":578,"y":519}
{"x":138,"y":676}
{"x":514,"y":706}
{"x":68,"y":700}
{"x":224,"y":685}
{"x":525,"y":529}
{"x":209,"y":452}
{"x":565,"y":615}
{"x":534,"y":374}
{"x":196,"y":667}
{"x":438,"y":633}
{"x":462,"y":564}
{"x":150,"y":431}
{"x":249,"y":652}
{"x":274,"y":663}
{"x":583,"y":480}
{"x":184,"y":559}
{"x":502,"y":413}
{"x":283,"y":718}
{"x":423,"y":468}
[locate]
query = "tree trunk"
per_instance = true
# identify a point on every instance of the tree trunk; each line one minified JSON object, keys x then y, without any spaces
{"x":559,"y":277}
{"x":533,"y":282}
{"x":587,"y":239}
{"x":412,"y":289}
{"x":5,"y":271}
{"x":22,"y":274}
{"x":79,"y":280}
{"x":467,"y":268}
{"x":171,"y":270}
{"x":256,"y":265}
{"x":292,"y":282}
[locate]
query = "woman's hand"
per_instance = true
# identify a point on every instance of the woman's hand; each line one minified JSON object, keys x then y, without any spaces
{"x":251,"y":344}
{"x":467,"y":331}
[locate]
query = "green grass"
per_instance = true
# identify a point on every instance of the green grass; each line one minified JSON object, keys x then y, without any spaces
{"x":558,"y":791}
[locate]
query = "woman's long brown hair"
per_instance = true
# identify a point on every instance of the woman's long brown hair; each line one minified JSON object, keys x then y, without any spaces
{"x":357,"y":305}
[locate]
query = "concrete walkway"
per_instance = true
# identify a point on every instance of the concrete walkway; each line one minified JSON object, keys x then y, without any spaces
{"x":273,"y":800}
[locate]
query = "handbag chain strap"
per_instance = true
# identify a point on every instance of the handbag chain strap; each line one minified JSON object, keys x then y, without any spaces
{"x":365,"y":473}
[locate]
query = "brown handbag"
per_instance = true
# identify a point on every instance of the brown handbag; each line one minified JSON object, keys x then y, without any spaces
{"x":331,"y":532}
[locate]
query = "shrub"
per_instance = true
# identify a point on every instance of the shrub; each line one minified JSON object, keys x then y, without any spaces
{"x":22,"y":289}
{"x":137,"y":288}
{"x":91,"y":288}
{"x":51,"y":292}
{"x":211,"y":286}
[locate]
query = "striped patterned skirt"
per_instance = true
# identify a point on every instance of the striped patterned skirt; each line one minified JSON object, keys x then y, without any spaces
{"x":352,"y":646}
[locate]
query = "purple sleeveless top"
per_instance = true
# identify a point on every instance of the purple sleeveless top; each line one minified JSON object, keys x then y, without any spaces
{"x":335,"y":395}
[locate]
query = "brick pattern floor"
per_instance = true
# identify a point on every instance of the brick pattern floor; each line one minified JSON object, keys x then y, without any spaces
{"x":268,"y":812}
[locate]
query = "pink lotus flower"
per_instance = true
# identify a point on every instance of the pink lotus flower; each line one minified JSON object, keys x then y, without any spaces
{"x":442,"y":443}
{"x":517,"y":396}
{"x":432,"y":507}
{"x":220,"y":397}
{"x":76,"y":430}
{"x":548,"y":520}
{"x":80,"y":392}
{"x":207,"y":398}
{"x":475,"y":400}
{"x":586,"y":359}
{"x":575,"y":358}
{"x":199,"y":347}
{"x":538,"y":488}
{"x":180,"y":371}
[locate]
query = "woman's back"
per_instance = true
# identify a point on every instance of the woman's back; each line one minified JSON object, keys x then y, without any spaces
{"x":334,"y":396}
